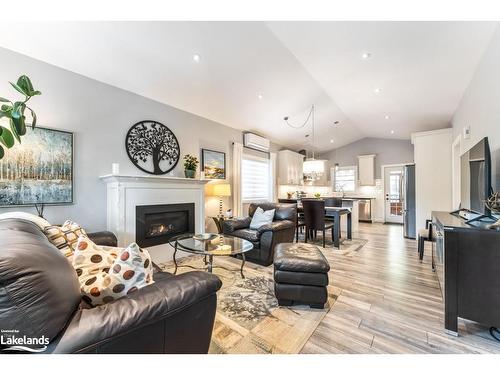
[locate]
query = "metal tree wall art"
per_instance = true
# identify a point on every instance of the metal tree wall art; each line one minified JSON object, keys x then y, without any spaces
{"x":152,"y":147}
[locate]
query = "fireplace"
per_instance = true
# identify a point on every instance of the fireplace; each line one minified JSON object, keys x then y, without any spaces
{"x":157,"y":224}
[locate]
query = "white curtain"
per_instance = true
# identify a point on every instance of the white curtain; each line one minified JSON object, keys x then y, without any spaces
{"x":237,"y":157}
{"x":274,"y":186}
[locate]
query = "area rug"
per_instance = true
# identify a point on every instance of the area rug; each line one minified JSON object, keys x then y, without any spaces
{"x":248,"y":319}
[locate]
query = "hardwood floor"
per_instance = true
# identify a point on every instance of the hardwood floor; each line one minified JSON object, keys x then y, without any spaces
{"x":389,"y":302}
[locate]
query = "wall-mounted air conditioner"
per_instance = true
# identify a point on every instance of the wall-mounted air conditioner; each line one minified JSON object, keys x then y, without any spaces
{"x":256,"y":142}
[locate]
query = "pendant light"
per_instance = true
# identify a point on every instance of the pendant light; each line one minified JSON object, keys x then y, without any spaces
{"x":313,"y":168}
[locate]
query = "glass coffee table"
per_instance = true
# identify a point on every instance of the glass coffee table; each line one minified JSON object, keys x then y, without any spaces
{"x":213,"y":246}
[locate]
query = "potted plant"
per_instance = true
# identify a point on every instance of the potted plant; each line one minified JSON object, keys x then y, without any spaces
{"x":14,"y":112}
{"x":190,"y":165}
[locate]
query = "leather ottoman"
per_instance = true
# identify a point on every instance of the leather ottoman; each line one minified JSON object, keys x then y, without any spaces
{"x":300,"y":275}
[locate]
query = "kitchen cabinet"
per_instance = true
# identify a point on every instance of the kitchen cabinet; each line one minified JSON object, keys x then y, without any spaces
{"x":366,"y":170}
{"x":290,"y":168}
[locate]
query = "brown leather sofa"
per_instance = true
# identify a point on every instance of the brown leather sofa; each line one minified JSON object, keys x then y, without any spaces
{"x":39,"y":295}
{"x":265,"y":238}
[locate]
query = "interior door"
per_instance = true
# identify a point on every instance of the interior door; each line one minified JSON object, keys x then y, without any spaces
{"x":394,"y":194}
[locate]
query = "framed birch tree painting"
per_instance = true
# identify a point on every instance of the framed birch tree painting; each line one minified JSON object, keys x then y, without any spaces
{"x":39,"y":170}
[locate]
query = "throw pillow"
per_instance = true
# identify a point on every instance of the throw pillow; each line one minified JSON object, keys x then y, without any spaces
{"x":108,"y":273}
{"x":40,"y":221}
{"x":261,"y":217}
{"x":65,"y":237}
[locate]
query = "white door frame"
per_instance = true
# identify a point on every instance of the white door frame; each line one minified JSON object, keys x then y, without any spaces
{"x":382,"y":175}
{"x":455,"y":171}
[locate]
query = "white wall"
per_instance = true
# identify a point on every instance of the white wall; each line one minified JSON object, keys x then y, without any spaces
{"x":480,"y":107}
{"x":100,"y":116}
{"x":432,"y":173}
{"x":387,"y":151}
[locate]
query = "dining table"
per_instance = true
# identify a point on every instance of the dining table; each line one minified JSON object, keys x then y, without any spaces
{"x":336,"y":213}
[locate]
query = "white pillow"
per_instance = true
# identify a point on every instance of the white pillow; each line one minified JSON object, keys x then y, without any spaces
{"x":261,"y":217}
{"x":40,"y":221}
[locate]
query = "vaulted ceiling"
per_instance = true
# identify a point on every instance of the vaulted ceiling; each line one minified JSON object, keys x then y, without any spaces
{"x":378,"y":79}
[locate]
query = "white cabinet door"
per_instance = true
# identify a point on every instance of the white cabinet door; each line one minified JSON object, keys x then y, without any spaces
{"x":366,"y":169}
{"x":289,"y":168}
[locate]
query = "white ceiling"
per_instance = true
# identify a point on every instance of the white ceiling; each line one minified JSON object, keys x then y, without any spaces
{"x":423,"y":69}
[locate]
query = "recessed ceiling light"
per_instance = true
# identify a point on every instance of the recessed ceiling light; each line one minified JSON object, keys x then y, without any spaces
{"x":366,"y":55}
{"x":331,"y":140}
{"x":259,"y":96}
{"x":392,"y":131}
{"x":387,"y":117}
{"x":196,"y":58}
{"x":377,"y":90}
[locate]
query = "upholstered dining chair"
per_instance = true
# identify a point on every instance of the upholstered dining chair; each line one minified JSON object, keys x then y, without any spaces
{"x":332,"y":202}
{"x":314,"y":218}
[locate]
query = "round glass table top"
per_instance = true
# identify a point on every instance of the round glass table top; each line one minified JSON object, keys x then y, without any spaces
{"x":217,"y":244}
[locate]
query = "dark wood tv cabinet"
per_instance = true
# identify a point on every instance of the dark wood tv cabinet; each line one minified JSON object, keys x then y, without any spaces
{"x":466,"y":259}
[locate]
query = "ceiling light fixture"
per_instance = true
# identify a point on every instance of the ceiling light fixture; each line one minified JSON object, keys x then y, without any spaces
{"x":366,"y":55}
{"x":331,"y":140}
{"x":196,"y":58}
{"x":336,"y":122}
{"x":387,"y":117}
{"x":260,"y":96}
{"x":392,"y":131}
{"x":377,"y":90}
{"x":313,"y":168}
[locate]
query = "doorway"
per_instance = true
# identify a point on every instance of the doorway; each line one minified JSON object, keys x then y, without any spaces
{"x":393,"y":191}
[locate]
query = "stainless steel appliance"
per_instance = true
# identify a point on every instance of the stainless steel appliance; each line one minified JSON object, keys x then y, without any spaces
{"x":365,"y":210}
{"x":409,"y":209}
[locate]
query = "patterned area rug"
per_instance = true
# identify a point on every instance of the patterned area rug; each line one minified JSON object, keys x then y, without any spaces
{"x":249,"y":320}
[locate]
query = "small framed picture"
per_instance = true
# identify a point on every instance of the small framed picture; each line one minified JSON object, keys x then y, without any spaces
{"x":213,"y":164}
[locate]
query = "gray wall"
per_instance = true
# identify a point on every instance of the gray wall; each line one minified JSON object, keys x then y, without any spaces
{"x":480,"y":107}
{"x":100,"y":116}
{"x":388,"y":151}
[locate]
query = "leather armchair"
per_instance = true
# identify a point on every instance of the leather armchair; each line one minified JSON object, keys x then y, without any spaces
{"x":265,"y":238}
{"x":174,"y":315}
{"x":103,"y":238}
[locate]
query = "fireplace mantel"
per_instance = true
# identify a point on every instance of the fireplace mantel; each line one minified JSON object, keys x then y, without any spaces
{"x":158,"y":179}
{"x":126,"y":192}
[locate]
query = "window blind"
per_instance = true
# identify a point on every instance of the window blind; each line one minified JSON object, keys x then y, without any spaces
{"x":255,"y":179}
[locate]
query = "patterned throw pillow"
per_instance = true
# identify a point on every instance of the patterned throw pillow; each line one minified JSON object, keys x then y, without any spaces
{"x":107,"y":273}
{"x":65,"y":237}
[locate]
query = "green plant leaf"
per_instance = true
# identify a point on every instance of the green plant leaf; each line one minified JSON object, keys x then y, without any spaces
{"x":2,"y":153}
{"x":14,"y":130}
{"x":18,"y":110}
{"x":33,"y":121}
{"x":4,"y":100}
{"x":18,"y":89}
{"x":20,"y":125}
{"x":36,"y":92}
{"x":6,"y":137}
{"x":25,"y":84}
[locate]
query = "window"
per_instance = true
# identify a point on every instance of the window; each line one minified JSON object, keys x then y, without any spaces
{"x":345,"y":178}
{"x":255,"y":179}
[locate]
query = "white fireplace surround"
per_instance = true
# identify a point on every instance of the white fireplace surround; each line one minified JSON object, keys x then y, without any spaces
{"x":125,"y":192}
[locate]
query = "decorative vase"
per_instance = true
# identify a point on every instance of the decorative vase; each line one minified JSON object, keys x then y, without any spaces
{"x":189,"y":173}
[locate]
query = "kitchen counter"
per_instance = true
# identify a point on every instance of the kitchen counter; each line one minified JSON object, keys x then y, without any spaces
{"x":358,"y":198}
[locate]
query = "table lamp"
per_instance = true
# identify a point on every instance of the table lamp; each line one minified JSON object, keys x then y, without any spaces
{"x":221,"y":190}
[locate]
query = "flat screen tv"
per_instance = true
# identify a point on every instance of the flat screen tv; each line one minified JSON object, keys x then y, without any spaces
{"x":39,"y":170}
{"x":475,"y":177}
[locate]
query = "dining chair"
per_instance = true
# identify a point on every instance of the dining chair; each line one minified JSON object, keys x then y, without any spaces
{"x":314,"y":218}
